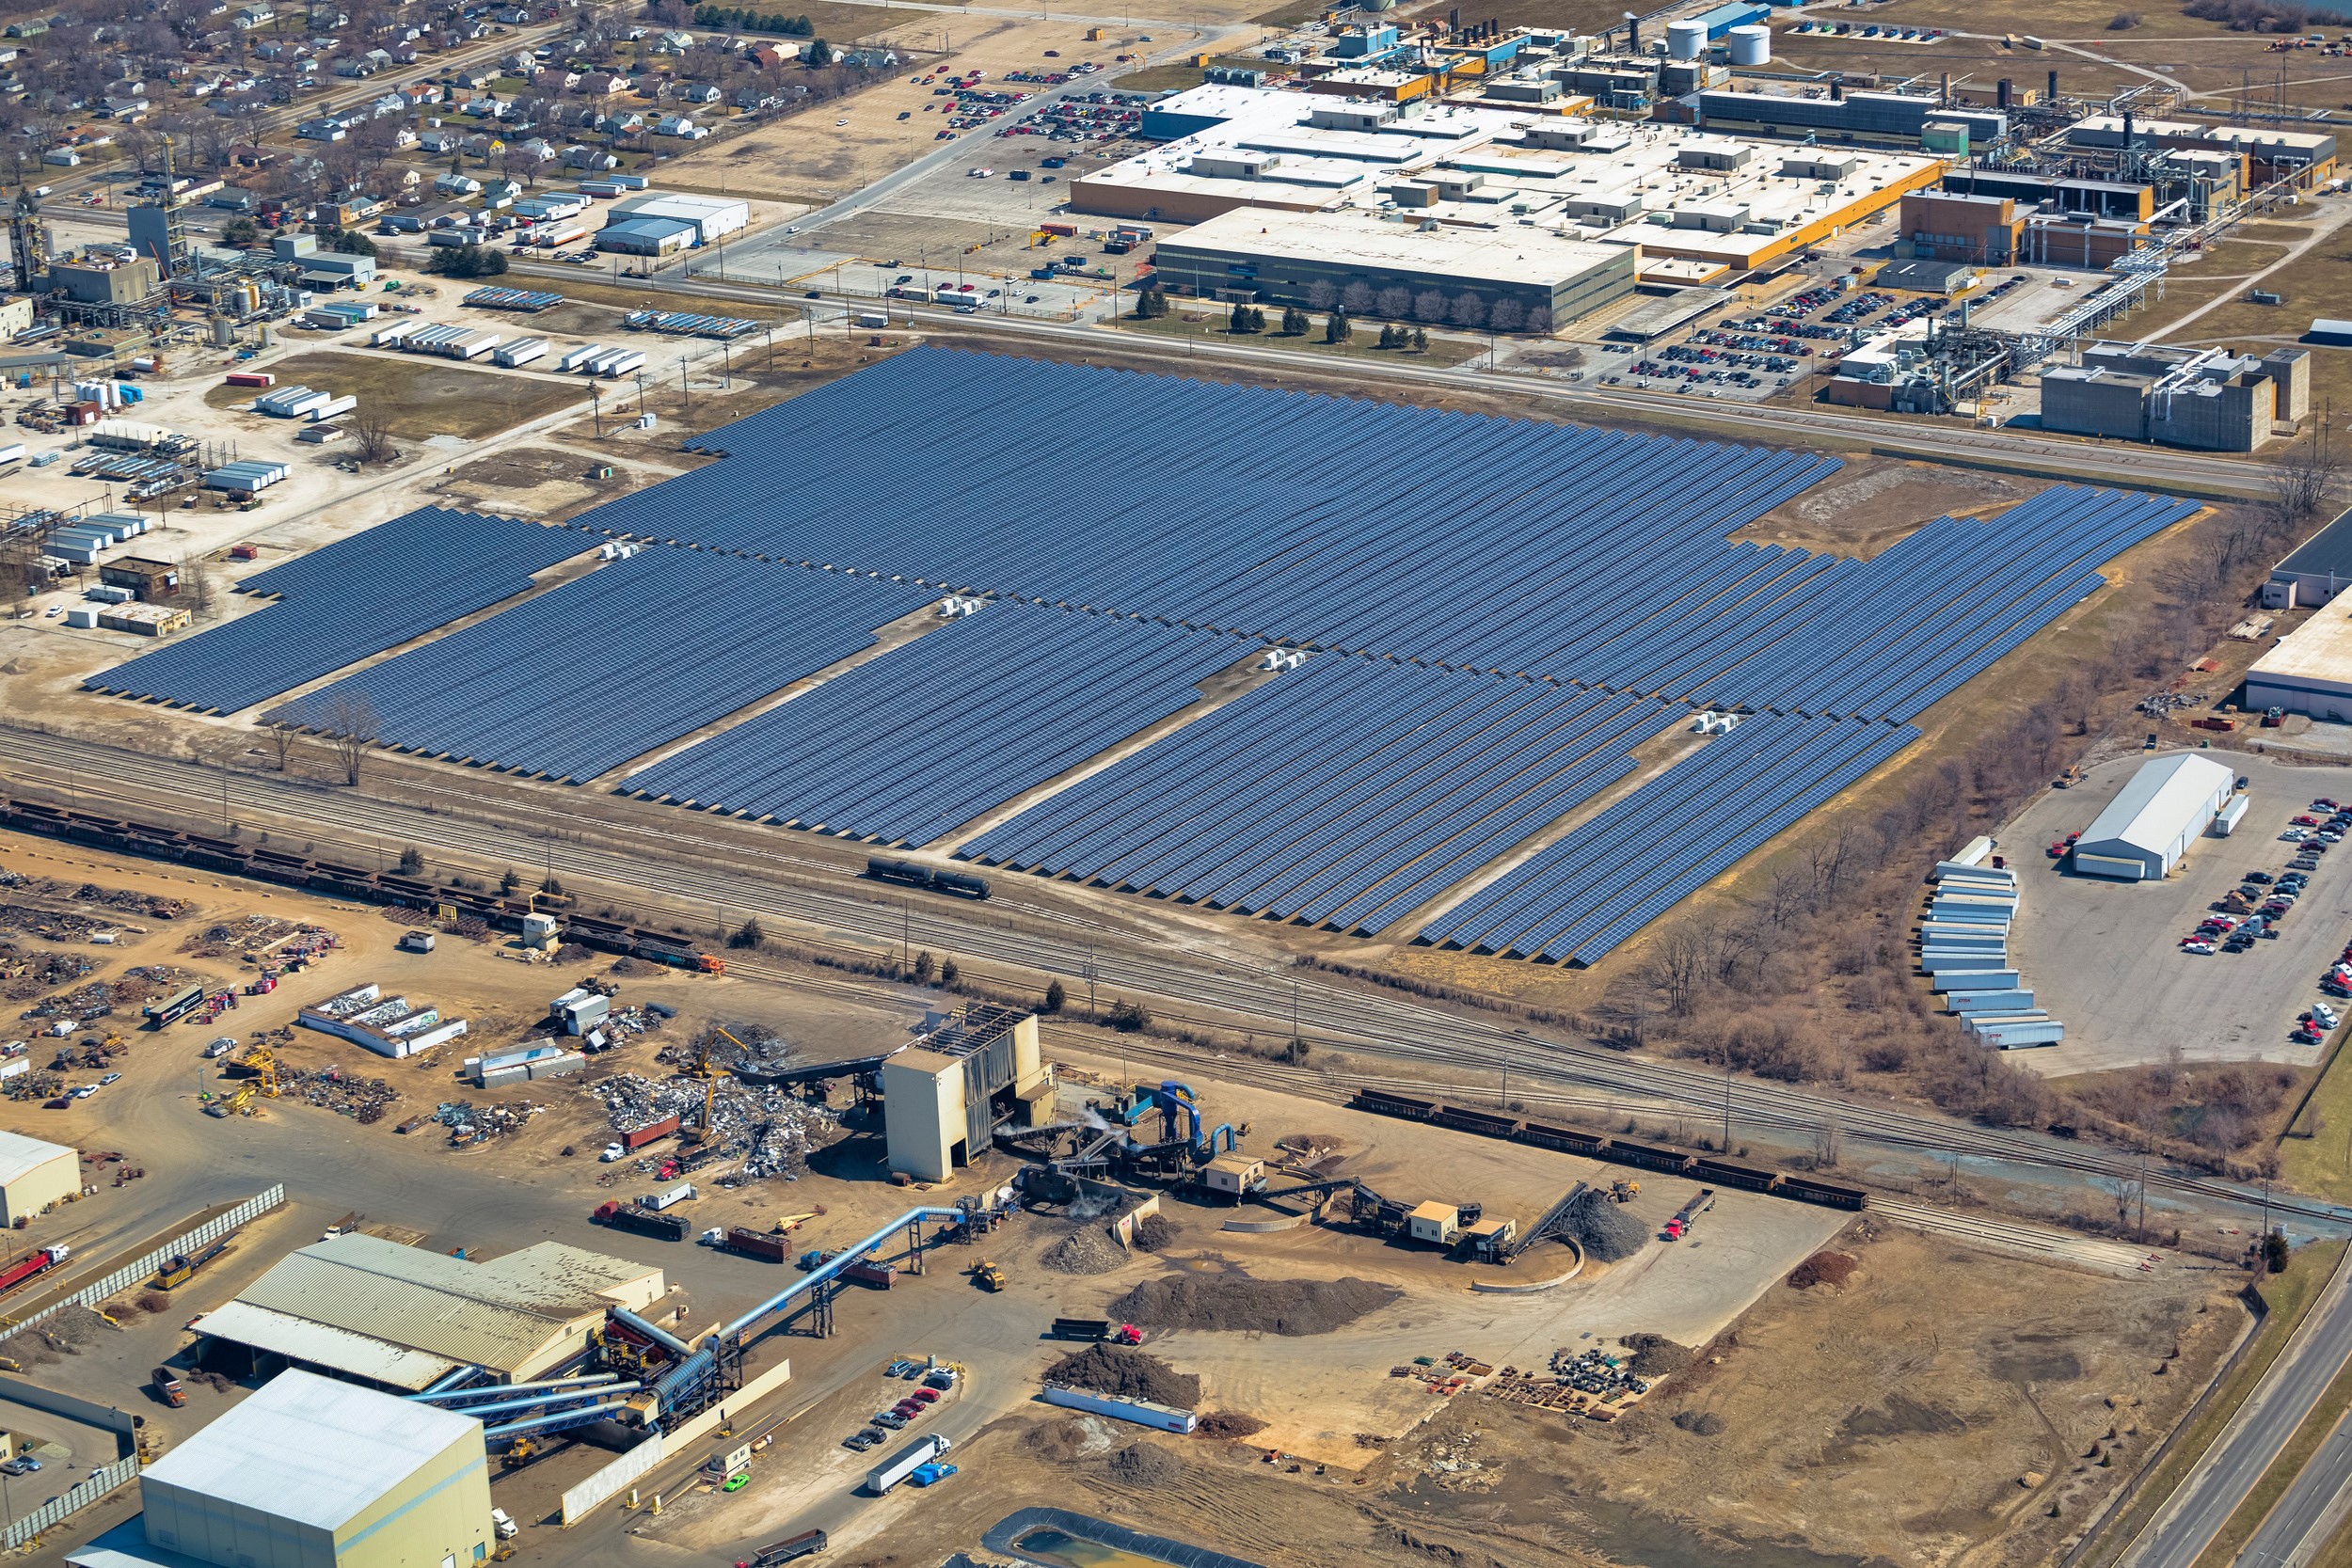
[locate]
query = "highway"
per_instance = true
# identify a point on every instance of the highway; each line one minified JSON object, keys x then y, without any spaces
{"x":2187,"y":1522}
{"x":656,"y":853}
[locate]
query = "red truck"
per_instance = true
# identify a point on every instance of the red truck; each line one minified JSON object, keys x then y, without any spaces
{"x":759,"y":1243}
{"x":32,"y":1265}
{"x":638,"y":1137}
{"x":167,"y":1388}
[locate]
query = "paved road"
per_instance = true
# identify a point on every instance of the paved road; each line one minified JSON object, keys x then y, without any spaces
{"x":2310,"y":1510}
{"x":2250,"y":1445}
{"x":2101,"y":462}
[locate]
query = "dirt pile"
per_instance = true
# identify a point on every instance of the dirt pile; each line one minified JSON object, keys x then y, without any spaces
{"x":1655,"y":1356}
{"x":1227,"y":1424}
{"x":1125,"y":1373}
{"x":1822,"y":1268}
{"x":1152,"y":1233}
{"x":72,"y":1328}
{"x":1141,"y":1464}
{"x":1604,"y":1229}
{"x":1702,"y":1423}
{"x":1238,"y":1304}
{"x":1085,"y":1250}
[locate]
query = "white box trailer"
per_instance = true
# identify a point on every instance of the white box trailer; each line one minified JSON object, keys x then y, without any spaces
{"x":522,"y":351}
{"x":394,"y":333}
{"x":1975,"y":979}
{"x":1142,"y":1412}
{"x":332,"y":408}
{"x":473,"y":345}
{"x":623,"y":363}
{"x":574,"y":358}
{"x":900,"y":1465}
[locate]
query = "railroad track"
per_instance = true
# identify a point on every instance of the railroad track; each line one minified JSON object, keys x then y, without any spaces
{"x":659,"y":862}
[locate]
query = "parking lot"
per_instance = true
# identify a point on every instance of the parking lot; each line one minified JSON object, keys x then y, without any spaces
{"x":2105,"y":956}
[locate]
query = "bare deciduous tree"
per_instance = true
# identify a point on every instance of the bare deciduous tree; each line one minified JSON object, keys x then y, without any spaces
{"x":351,"y":722}
{"x":372,"y":432}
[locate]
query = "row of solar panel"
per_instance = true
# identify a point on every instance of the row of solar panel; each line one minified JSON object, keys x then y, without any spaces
{"x":1579,"y":899}
{"x":575,"y":681}
{"x":346,"y":602}
{"x":913,"y":743}
{"x":1347,"y":793}
{"x":1437,"y":537}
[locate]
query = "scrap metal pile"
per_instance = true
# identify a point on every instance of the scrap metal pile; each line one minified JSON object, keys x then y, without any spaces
{"x":260,"y":937}
{"x":470,"y":1124}
{"x":331,"y":1088}
{"x":771,"y":1132}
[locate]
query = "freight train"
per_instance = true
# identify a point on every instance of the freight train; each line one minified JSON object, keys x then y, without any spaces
{"x":1622,"y":1151}
{"x":962,"y":884}
{"x":344,"y":882}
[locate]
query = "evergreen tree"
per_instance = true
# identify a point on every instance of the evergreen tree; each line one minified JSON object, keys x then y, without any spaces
{"x":1335,"y":327}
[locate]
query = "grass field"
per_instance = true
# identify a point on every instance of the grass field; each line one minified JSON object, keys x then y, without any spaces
{"x":1363,"y":344}
{"x":418,"y":397}
{"x":2322,"y":1164}
{"x":2289,"y":1294}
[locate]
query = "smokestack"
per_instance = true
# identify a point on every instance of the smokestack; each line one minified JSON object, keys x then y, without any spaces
{"x":1632,"y":34}
{"x":1838,"y":89}
{"x":1945,"y":97}
{"x":1454,"y":20}
{"x":2127,"y":128}
{"x":2052,"y":93}
{"x":2005,"y":92}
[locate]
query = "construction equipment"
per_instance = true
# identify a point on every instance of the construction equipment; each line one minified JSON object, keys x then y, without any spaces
{"x":237,"y":1105}
{"x":791,"y":1223}
{"x":710,"y":1075}
{"x":987,"y":1275}
{"x":179,"y":1269}
{"x":263,"y":1068}
{"x":1624,"y":1191}
{"x":521,"y":1452}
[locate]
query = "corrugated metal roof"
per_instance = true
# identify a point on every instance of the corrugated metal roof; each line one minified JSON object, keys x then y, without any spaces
{"x":2152,"y":812}
{"x":494,"y":1314}
{"x":310,"y":1450}
{"x":322,"y":1345}
{"x":21,"y":1156}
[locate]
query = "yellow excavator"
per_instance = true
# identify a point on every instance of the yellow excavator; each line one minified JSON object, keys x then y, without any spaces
{"x":264,"y":1067}
{"x":988,"y":1275}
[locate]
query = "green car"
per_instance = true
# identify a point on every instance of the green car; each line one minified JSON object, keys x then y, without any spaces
{"x":735,"y":1482}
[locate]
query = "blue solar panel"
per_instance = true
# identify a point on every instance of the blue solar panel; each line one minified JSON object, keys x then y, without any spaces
{"x":910,"y":744}
{"x":577,"y":681}
{"x":338,"y":605}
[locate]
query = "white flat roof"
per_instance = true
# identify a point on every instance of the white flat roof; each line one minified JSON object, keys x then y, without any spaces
{"x":310,"y":1450}
{"x":21,"y":1156}
{"x":324,"y":1345}
{"x":2318,"y":650}
{"x":1473,"y":254}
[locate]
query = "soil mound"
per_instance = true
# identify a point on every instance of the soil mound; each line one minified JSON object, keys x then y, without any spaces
{"x":1227,"y":1424}
{"x":1124,"y":1373}
{"x":1704,"y":1423}
{"x":1822,"y":1268}
{"x":1238,"y":1304}
{"x":1153,"y":1233}
{"x":1085,"y":1250}
{"x":1141,"y":1464}
{"x":1604,"y":1229}
{"x":1655,"y":1356}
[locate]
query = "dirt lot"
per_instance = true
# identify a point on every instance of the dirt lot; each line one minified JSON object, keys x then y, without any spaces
{"x":1877,"y":502}
{"x":833,"y":148}
{"x":2103,"y":956}
{"x":419,"y":397}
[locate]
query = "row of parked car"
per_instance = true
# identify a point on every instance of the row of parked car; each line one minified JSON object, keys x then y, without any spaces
{"x":935,"y":1380}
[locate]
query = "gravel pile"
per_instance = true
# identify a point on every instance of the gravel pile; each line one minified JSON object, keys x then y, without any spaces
{"x":1236,"y":1303}
{"x":1655,"y":1356}
{"x":1153,"y":1233}
{"x":1142,"y":1464}
{"x":1085,"y":1250}
{"x":1604,"y":1229}
{"x":1822,"y":1268}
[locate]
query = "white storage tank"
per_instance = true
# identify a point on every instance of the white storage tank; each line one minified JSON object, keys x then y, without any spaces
{"x":1685,"y":40}
{"x":1750,"y":45}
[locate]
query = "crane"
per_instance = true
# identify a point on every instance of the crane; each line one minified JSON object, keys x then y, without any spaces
{"x":711,"y":1078}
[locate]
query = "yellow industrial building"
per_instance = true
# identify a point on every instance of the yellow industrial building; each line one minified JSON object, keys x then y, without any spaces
{"x":312,"y":1473}
{"x":945,"y":1096}
{"x":34,"y":1175}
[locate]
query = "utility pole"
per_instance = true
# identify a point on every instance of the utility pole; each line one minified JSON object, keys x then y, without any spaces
{"x":1727,"y":1102}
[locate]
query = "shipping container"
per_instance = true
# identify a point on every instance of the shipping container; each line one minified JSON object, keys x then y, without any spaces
{"x":638,"y":1137}
{"x":1966,"y":1002}
{"x":1974,"y":979}
{"x":1940,"y":961}
{"x":2026,"y":1035}
{"x":762,"y":1244}
{"x":250,"y":378}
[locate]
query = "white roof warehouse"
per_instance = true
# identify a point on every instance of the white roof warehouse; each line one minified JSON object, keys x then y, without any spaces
{"x":1279,"y":259}
{"x":2146,"y":829}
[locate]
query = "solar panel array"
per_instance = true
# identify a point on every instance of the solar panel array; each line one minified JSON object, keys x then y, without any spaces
{"x":1445,"y":538}
{"x":927,"y":736}
{"x":341,"y":604}
{"x":1347,"y":793}
{"x":575,"y":681}
{"x":1610,"y":876}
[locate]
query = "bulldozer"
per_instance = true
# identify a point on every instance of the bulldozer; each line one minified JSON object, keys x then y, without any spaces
{"x":987,"y":1275}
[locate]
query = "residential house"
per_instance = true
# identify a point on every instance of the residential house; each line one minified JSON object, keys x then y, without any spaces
{"x":246,"y":19}
{"x":499,"y":193}
{"x":757,"y":100}
{"x":592,"y":160}
{"x":356,"y":66}
{"x":603,"y":83}
{"x":480,"y":145}
{"x":321,"y":129}
{"x":439,"y":141}
{"x":672,"y":41}
{"x":457,"y":184}
{"x":419,"y":94}
{"x":697,"y":92}
{"x":555,"y":78}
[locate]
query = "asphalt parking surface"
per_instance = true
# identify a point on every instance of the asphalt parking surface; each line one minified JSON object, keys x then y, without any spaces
{"x":2103,"y":956}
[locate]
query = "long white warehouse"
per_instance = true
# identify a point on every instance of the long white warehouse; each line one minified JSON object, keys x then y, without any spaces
{"x":2146,"y":827}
